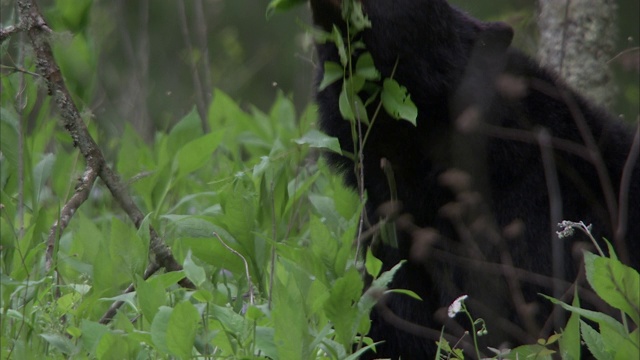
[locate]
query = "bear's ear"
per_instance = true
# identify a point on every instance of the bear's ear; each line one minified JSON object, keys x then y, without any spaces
{"x":326,"y":13}
{"x":495,"y":36}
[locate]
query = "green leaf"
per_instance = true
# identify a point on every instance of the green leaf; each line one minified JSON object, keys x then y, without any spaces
{"x":339,"y":307}
{"x":196,"y":153}
{"x":127,"y":250}
{"x":601,"y":318}
{"x":570,"y":340}
{"x":397,"y":101}
{"x":372,"y":264}
{"x":181,"y":329}
{"x":281,"y":5}
{"x":59,"y":342}
{"x":332,"y":73}
{"x":383,"y":281}
{"x":113,"y":346}
{"x":595,"y":343}
{"x":320,"y":140}
{"x":41,"y":174}
{"x":159,"y":329}
{"x":187,"y":129}
{"x":615,"y":283}
{"x":194,"y":272}
{"x":534,"y":351}
{"x":92,"y":332}
{"x":366,"y":68}
{"x":290,"y":332}
{"x":405,"y":292}
{"x":151,"y":296}
{"x":344,"y":105}
{"x":336,"y":37}
{"x":169,"y":279}
{"x":265,"y":343}
{"x":9,"y":136}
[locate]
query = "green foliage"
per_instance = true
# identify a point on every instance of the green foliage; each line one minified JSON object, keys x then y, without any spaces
{"x":260,"y":224}
{"x":280,"y":5}
{"x":614,"y":282}
{"x":360,"y":76}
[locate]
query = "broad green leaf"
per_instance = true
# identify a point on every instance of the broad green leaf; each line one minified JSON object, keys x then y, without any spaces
{"x":168,"y":279}
{"x":159,"y":329}
{"x":339,"y":307}
{"x":615,"y":283}
{"x":151,"y":296}
{"x":283,"y":113}
{"x":196,"y":153}
{"x":60,"y":343}
{"x":320,"y":140}
{"x":290,"y":334}
{"x":113,"y":346}
{"x":92,"y":332}
{"x":534,"y":351}
{"x":332,"y":73}
{"x":595,"y":343}
{"x":126,"y":249}
{"x":344,"y":105}
{"x":366,"y":68}
{"x":373,"y":264}
{"x":181,"y":329}
{"x":265,"y":343}
{"x":397,"y":101}
{"x":41,"y":174}
{"x":131,"y":143}
{"x":74,"y":14}
{"x":185,"y":131}
{"x":194,"y":272}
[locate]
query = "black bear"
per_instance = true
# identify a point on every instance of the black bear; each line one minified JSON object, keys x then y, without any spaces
{"x":502,"y":151}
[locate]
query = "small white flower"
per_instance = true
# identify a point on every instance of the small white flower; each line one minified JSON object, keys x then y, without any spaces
{"x":456,"y":306}
{"x":568,"y":228}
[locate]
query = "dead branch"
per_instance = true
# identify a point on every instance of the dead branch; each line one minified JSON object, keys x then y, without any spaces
{"x":38,"y":32}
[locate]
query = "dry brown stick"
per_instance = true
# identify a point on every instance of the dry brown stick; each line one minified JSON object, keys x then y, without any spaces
{"x":38,"y":32}
{"x":83,"y":189}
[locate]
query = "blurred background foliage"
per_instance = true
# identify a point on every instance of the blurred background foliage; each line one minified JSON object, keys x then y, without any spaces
{"x":155,"y":60}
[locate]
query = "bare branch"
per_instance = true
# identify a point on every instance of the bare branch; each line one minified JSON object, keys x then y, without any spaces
{"x":46,"y":66}
{"x":8,"y":31}
{"x":83,"y":189}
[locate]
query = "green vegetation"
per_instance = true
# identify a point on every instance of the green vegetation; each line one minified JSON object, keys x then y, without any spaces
{"x":261,"y":226}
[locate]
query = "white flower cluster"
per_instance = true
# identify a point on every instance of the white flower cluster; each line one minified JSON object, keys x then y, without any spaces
{"x":456,"y":306}
{"x":568,"y":228}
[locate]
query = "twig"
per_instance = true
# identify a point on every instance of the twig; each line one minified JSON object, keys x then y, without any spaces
{"x":8,"y":31}
{"x":246,"y":266}
{"x":201,"y":102}
{"x":555,"y":216}
{"x":83,"y":189}
{"x":47,"y":67}
{"x":625,"y":185}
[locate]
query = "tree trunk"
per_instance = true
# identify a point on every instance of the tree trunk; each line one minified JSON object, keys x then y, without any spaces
{"x":577,"y":38}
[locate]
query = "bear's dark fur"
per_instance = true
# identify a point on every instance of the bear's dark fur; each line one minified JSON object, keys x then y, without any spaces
{"x":474,"y":212}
